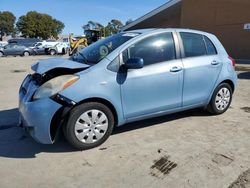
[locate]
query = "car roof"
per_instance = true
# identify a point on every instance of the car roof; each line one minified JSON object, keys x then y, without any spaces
{"x":152,"y":30}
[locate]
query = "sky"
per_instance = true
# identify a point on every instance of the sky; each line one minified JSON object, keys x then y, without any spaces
{"x":76,"y":13}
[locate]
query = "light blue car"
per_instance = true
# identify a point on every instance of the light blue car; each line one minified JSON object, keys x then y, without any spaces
{"x":127,"y":77}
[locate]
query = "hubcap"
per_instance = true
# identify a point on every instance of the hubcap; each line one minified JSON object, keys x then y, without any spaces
{"x":52,"y":52}
{"x":26,"y":53}
{"x":91,"y":126}
{"x":222,"y":99}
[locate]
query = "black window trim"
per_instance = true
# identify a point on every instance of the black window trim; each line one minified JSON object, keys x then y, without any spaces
{"x":216,"y":51}
{"x":183,"y":56}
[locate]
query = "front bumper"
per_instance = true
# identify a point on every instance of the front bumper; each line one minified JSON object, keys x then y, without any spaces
{"x":36,"y":116}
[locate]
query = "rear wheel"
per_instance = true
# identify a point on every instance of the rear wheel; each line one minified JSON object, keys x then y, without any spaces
{"x":26,"y":53}
{"x":52,"y":52}
{"x":221,"y":99}
{"x":1,"y":54}
{"x":89,"y":125}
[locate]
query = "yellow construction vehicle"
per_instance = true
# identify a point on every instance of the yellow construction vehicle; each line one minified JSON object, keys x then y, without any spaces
{"x":77,"y":43}
{"x":92,"y":34}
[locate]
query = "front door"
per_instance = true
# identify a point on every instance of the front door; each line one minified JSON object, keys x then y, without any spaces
{"x":9,"y":49}
{"x":156,"y":87}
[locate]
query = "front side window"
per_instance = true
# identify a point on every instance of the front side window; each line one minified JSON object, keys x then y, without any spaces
{"x":194,"y":44}
{"x":154,"y":49}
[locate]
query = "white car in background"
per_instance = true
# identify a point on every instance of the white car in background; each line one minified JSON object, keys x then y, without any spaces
{"x":59,"y":48}
{"x":51,"y":48}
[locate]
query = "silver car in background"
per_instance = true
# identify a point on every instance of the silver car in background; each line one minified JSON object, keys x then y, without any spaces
{"x":15,"y":49}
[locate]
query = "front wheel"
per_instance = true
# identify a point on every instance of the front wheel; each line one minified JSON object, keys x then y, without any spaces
{"x":89,"y":125}
{"x":1,"y":54}
{"x":221,"y":99}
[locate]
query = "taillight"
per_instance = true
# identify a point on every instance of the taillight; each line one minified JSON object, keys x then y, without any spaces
{"x":233,"y":61}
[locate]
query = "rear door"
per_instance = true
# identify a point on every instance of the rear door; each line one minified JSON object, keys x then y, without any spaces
{"x":202,"y":67}
{"x":18,"y":50}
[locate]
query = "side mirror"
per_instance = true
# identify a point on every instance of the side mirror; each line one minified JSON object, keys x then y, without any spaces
{"x":134,"y":63}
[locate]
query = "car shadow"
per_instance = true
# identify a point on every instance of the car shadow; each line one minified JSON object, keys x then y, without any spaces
{"x":158,"y":120}
{"x":244,"y":75}
{"x":15,"y":143}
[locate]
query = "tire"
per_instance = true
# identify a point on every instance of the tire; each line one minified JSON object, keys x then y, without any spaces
{"x":26,"y":54}
{"x":1,"y":54}
{"x":52,"y":52}
{"x":63,"y":51}
{"x":82,"y":132}
{"x":221,"y":99}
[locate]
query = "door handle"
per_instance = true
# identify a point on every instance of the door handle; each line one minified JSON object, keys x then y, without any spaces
{"x":175,"y":69}
{"x":215,"y":62}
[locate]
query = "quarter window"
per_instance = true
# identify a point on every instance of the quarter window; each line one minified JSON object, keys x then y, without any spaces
{"x":193,"y":44}
{"x":154,"y":49}
{"x":211,"y":50}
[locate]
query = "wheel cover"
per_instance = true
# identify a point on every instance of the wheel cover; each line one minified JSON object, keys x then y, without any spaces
{"x":26,"y":53}
{"x":91,"y":126}
{"x":222,"y":99}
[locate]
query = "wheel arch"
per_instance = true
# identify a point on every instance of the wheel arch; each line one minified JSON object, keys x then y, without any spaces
{"x":104,"y":102}
{"x":230,"y":82}
{"x":61,"y":116}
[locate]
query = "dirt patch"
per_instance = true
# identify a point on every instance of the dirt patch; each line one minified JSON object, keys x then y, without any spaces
{"x":246,"y":109}
{"x":162,"y":167}
{"x":18,"y":71}
{"x":221,"y":159}
{"x":102,"y":149}
{"x":242,"y":181}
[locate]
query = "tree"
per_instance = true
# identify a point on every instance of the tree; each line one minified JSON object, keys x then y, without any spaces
{"x":37,"y":25}
{"x":7,"y":21}
{"x":113,"y":27}
{"x":91,"y":25}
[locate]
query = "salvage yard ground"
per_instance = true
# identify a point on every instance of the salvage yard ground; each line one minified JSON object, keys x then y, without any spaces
{"x":188,"y":149}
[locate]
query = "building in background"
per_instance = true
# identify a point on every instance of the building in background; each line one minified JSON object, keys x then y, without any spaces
{"x":229,"y":20}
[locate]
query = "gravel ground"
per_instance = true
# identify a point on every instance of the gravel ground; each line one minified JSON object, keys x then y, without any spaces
{"x":188,"y":149}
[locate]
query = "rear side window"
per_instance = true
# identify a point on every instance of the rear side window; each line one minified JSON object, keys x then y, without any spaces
{"x":211,"y":50}
{"x":194,"y":44}
{"x":154,"y":49}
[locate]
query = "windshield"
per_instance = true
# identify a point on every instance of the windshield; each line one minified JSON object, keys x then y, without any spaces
{"x":99,"y":50}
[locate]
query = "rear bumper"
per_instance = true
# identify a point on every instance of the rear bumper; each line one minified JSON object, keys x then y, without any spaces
{"x":36,"y":116}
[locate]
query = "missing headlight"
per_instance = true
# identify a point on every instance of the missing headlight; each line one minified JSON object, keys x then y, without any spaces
{"x":63,"y":100}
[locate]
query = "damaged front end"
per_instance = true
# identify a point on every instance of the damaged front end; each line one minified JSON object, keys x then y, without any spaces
{"x":42,"y":112}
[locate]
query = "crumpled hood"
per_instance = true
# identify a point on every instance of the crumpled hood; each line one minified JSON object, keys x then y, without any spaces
{"x":44,"y":66}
